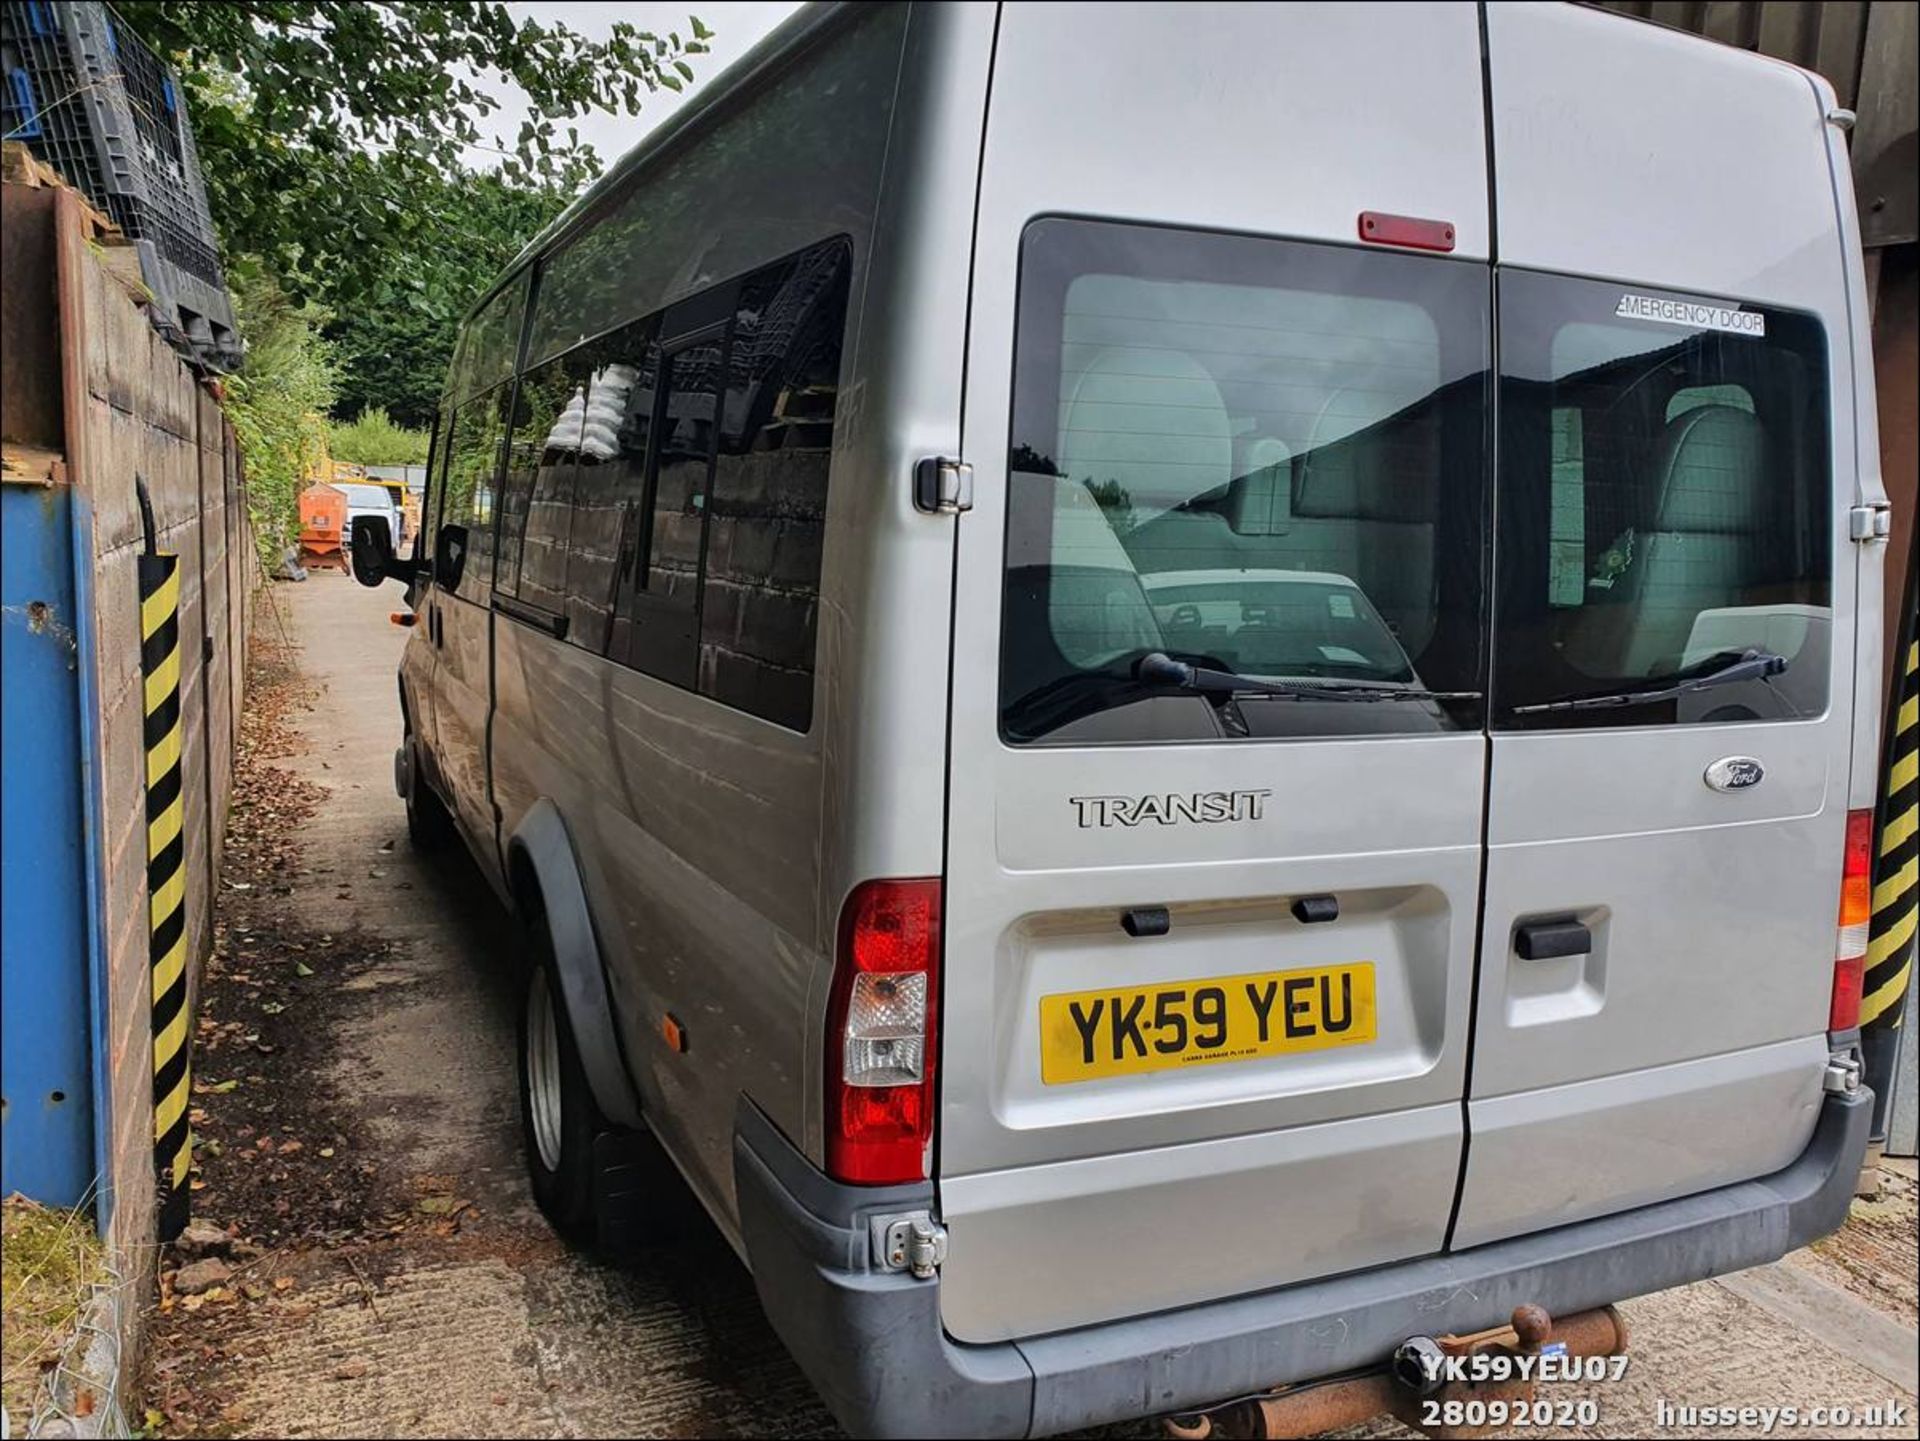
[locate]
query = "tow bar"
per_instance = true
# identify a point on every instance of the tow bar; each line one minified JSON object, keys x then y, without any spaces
{"x":1415,"y":1384}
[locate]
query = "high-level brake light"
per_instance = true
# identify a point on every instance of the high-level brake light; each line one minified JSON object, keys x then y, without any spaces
{"x":1408,"y":230}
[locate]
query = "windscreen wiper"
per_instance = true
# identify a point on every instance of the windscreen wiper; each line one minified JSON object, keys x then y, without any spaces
{"x":1727,"y":667}
{"x":1157,"y":668}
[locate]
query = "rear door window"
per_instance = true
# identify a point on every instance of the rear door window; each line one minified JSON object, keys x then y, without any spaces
{"x":1263,"y":456}
{"x":1665,"y":501}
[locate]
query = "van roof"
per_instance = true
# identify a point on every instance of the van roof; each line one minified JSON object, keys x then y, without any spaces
{"x":785,"y":41}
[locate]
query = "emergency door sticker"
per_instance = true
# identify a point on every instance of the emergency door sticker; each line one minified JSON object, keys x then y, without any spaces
{"x":1694,"y":316}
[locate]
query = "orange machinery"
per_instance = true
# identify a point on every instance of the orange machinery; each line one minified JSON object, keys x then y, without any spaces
{"x":323,"y":516}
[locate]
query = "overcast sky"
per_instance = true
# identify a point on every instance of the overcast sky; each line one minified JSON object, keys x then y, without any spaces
{"x":736,"y":26}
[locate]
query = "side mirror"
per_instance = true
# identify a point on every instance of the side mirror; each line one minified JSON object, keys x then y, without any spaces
{"x":370,"y":546}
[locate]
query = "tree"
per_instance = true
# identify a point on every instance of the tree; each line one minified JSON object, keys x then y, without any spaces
{"x":395,"y":341}
{"x":276,"y":402}
{"x":372,"y":438}
{"x":321,"y":126}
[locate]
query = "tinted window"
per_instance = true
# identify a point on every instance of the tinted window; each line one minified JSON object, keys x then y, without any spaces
{"x":767,"y":509}
{"x":473,"y":463}
{"x":756,"y":181}
{"x":436,"y":479}
{"x":657,"y":620}
{"x":536,"y":492}
{"x":611,"y":478}
{"x":1262,"y":454}
{"x":489,"y":343}
{"x":1665,"y":495}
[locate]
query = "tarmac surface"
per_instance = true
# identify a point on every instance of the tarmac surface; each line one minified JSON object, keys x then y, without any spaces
{"x":445,"y":1307}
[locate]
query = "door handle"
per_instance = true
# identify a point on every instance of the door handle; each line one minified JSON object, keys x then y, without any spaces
{"x":1551,"y":940}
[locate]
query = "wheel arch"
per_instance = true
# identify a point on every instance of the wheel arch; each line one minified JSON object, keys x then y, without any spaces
{"x":543,"y":874}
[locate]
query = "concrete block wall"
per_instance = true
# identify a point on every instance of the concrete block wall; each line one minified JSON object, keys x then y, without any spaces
{"x":125,"y":406}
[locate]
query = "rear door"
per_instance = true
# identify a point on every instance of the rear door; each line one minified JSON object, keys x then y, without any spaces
{"x":1662,"y":876}
{"x":1208,"y":965}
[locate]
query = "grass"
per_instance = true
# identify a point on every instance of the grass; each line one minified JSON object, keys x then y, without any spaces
{"x":48,"y":1260}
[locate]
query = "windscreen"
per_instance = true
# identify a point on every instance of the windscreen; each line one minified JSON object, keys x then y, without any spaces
{"x":1262,"y":457}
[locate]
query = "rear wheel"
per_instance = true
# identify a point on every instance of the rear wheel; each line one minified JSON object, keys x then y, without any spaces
{"x":429,"y":826}
{"x":601,"y":1185}
{"x":559,"y":1120}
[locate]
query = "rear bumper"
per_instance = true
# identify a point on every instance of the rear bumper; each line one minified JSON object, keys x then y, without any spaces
{"x":872,"y":1342}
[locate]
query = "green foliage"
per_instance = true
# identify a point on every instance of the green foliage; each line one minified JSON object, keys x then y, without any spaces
{"x":1116,"y":504}
{"x":49,"y":1261}
{"x":322,"y":126}
{"x":395,"y":341}
{"x":277,"y":402}
{"x":373,"y":438}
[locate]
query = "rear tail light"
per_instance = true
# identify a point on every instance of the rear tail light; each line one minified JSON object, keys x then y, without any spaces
{"x":882,"y":1036}
{"x":1856,"y":917}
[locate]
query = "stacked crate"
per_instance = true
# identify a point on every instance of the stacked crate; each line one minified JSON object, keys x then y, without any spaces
{"x":89,"y":98}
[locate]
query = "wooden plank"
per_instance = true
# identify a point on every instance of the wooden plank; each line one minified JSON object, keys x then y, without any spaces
{"x":29,"y":320}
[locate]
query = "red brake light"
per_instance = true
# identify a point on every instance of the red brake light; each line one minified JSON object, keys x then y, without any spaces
{"x":882,"y":1036}
{"x":1407,"y":230}
{"x":1856,"y":917}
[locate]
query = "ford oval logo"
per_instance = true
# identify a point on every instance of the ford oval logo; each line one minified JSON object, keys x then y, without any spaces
{"x":1735,"y":773}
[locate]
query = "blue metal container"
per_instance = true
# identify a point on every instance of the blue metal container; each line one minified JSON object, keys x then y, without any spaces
{"x":46,"y":1026}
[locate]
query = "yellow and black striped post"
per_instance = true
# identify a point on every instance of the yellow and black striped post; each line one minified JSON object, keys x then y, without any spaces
{"x":1896,"y":873}
{"x":166,"y":884}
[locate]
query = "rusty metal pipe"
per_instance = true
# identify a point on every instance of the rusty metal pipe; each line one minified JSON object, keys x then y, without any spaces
{"x":1311,"y":1410}
{"x":1599,"y":1332}
{"x":1321,"y":1406}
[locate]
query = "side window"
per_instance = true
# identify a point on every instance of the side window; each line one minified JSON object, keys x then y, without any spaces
{"x":616,"y":425}
{"x":554,"y":458}
{"x":435,"y":483}
{"x":1665,"y":505}
{"x":767,"y":506}
{"x":665,"y":485}
{"x":473,"y":463}
{"x":489,"y":341}
{"x":536,"y":490}
{"x":656,"y":626}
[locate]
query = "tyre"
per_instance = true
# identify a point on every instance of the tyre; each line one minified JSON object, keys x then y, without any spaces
{"x":429,"y":826}
{"x":559,"y":1121}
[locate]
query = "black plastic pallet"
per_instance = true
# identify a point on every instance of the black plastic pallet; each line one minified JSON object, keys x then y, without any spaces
{"x":89,"y":98}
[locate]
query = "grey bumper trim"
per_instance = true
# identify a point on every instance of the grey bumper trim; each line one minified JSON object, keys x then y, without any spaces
{"x":873,"y":1345}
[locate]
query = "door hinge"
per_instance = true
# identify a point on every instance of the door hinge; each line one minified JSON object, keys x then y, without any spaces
{"x":1843,"y":1074}
{"x":912,"y":1242}
{"x":1870,"y":522}
{"x":942,"y":486}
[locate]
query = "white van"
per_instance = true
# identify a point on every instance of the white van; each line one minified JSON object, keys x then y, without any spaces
{"x":1174,"y":691}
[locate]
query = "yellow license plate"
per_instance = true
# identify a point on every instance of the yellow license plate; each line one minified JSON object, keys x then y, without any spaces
{"x":1123,"y":1031}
